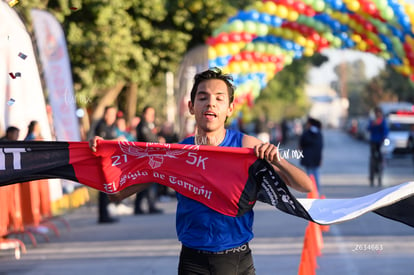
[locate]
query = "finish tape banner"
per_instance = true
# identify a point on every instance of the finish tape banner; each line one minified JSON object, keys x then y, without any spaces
{"x":228,"y":180}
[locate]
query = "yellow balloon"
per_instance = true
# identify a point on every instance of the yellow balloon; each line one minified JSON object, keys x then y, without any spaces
{"x":356,"y":38}
{"x":292,"y":15}
{"x":262,"y":67}
{"x":212,"y":54}
{"x":353,"y":24}
{"x":408,"y":39}
{"x":226,"y":70}
{"x":235,"y":67}
{"x":310,"y":44}
{"x":300,"y":39}
{"x":406,"y":62}
{"x":277,"y":31}
{"x":406,"y":70}
{"x":258,"y":5}
{"x":233,"y":48}
{"x":308,"y":51}
{"x":282,"y":11}
{"x":353,"y":5}
{"x":222,"y":50}
{"x":254,"y":67}
{"x":270,"y":67}
{"x":269,"y":7}
{"x":362,"y":46}
{"x":244,"y":66}
{"x":288,"y":34}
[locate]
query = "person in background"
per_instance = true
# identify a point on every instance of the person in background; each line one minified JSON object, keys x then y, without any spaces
{"x":167,"y":132}
{"x":284,"y":125}
{"x":311,"y":142}
{"x":262,"y":129}
{"x":132,"y":126}
{"x":107,"y":130}
{"x":12,"y":134}
{"x":378,"y":129}
{"x":121,"y":129}
{"x":147,"y":132}
{"x":33,"y":131}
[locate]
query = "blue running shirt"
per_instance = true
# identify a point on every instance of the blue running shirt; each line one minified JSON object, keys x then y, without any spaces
{"x":200,"y":227}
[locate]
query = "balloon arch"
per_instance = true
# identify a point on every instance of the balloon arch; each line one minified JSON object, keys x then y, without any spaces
{"x":259,"y":41}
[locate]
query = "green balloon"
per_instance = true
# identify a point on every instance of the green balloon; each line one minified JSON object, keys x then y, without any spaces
{"x":236,"y":26}
{"x":336,"y":42}
{"x":262,"y":29}
{"x":260,"y":47}
{"x":249,"y":47}
{"x":250,"y":27}
{"x":382,"y":46}
{"x":328,"y":36}
{"x":318,"y":5}
{"x":387,"y":13}
{"x":319,"y":27}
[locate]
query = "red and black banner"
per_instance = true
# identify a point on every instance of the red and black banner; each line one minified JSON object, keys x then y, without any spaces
{"x":227,"y":179}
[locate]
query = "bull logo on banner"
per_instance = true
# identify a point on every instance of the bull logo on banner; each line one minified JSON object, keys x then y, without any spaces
{"x":155,"y":155}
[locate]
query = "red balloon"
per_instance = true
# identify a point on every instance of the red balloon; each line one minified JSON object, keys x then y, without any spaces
{"x":247,"y":56}
{"x":290,"y":3}
{"x":304,"y":29}
{"x":223,"y":38}
{"x":316,"y":37}
{"x":257,"y":56}
{"x":368,"y":26}
{"x":235,"y":37}
{"x":237,"y":57}
{"x":299,"y":7}
{"x":247,"y":37}
{"x":370,"y":8}
{"x":309,"y":12}
{"x":265,"y":58}
{"x":294,"y":26}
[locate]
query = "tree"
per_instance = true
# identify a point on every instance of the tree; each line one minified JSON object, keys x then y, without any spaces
{"x":126,"y":46}
{"x":284,"y":96}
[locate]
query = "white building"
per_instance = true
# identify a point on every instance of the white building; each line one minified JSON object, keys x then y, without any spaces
{"x":326,"y":106}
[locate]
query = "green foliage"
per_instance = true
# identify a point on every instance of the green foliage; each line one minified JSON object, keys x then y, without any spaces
{"x":388,"y":85}
{"x":284,"y":96}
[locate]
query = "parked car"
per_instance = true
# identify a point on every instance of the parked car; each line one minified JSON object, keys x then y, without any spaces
{"x":400,"y":136}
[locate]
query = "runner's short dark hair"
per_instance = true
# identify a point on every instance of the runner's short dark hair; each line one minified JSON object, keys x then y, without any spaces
{"x":213,"y":73}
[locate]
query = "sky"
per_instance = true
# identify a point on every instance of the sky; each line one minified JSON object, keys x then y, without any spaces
{"x":325,"y":73}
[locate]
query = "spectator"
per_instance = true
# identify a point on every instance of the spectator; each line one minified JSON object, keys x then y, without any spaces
{"x":33,"y":131}
{"x":107,"y":130}
{"x":311,"y":142}
{"x":147,"y":132}
{"x":12,"y":134}
{"x":121,"y":130}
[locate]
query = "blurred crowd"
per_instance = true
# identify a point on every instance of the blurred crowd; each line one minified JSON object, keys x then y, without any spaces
{"x":147,"y":128}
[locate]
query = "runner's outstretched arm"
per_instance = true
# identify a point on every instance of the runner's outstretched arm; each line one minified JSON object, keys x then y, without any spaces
{"x":292,"y":175}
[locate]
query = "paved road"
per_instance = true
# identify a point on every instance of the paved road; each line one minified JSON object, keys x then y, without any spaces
{"x":147,"y":244}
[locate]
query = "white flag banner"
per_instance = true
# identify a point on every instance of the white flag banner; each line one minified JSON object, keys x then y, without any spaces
{"x":330,"y":211}
{"x":57,"y":73}
{"x":21,"y":99}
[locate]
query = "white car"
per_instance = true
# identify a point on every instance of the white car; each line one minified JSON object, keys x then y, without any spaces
{"x":400,"y":126}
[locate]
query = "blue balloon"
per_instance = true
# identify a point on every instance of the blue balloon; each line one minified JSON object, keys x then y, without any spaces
{"x":212,"y":63}
{"x":265,"y":18}
{"x":242,"y":15}
{"x":253,"y":15}
{"x":276,"y":21}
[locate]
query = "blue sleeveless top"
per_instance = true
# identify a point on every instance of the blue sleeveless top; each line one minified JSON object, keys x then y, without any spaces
{"x":200,"y":227}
